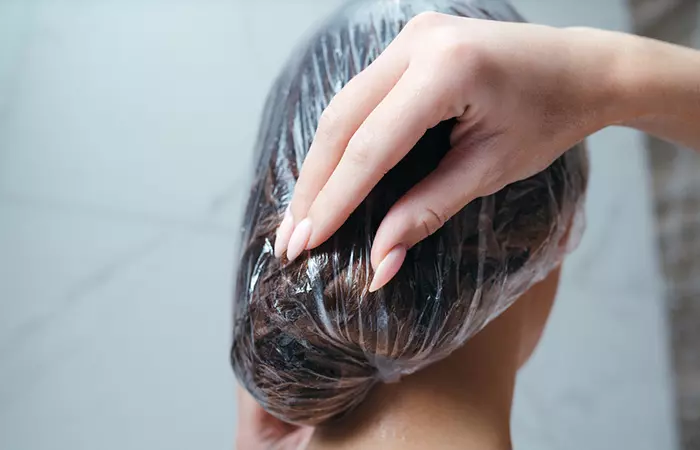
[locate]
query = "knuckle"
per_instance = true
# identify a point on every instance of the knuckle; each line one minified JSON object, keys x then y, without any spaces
{"x":359,"y":156}
{"x":430,"y":220}
{"x":448,"y":41}
{"x":327,"y":122}
{"x":360,"y":151}
{"x":467,"y":57}
{"x":425,"y":20}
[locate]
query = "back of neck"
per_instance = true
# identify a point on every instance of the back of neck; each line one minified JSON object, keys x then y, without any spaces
{"x":460,"y":403}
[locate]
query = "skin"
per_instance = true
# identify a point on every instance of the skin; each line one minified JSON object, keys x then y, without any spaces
{"x":258,"y":430}
{"x":522,"y":94}
{"x":462,"y":402}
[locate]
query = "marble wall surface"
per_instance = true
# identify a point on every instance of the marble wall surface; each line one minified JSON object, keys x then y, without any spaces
{"x":125,"y":135}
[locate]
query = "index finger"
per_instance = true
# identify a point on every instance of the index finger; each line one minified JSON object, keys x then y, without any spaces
{"x":339,"y":121}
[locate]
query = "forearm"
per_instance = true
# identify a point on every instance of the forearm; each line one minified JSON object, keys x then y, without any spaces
{"x":659,"y":84}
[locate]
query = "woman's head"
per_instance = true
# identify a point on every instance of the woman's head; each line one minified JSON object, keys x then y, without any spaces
{"x":309,"y":339}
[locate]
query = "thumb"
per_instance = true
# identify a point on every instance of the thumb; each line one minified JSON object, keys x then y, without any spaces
{"x":424,"y":209}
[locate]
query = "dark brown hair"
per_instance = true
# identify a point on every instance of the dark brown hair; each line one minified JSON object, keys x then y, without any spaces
{"x":309,"y":339}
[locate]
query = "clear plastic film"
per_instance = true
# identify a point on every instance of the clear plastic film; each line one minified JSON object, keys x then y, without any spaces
{"x":309,"y":339}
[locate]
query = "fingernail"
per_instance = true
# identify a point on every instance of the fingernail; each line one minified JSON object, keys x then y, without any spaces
{"x":389,"y":266}
{"x":299,"y":239}
{"x":284,"y":233}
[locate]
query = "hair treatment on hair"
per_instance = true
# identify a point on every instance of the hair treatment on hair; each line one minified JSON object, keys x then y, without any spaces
{"x":309,"y":339}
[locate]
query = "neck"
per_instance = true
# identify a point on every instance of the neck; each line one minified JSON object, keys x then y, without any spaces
{"x":462,"y":402}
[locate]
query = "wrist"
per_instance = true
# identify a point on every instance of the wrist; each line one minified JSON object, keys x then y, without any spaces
{"x":653,"y":80}
{"x":612,"y":72}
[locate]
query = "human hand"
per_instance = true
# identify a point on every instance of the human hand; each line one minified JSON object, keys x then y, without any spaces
{"x":258,"y":430}
{"x":522,"y":95}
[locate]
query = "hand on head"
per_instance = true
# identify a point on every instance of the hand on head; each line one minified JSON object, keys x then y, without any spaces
{"x":521,"y":93}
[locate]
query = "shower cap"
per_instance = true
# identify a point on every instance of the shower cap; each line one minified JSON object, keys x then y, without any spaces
{"x":309,"y":339}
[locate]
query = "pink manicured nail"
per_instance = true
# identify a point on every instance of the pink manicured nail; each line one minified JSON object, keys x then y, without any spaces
{"x":284,"y":233}
{"x":389,"y":266}
{"x":299,"y":239}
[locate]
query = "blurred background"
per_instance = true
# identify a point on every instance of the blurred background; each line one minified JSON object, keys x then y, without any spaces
{"x":126,"y":128}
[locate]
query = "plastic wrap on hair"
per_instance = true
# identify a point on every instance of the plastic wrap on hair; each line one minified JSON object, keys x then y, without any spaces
{"x":309,"y":339}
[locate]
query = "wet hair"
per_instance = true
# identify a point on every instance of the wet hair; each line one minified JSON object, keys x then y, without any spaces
{"x":309,"y":340}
